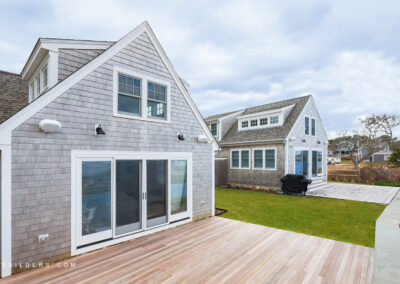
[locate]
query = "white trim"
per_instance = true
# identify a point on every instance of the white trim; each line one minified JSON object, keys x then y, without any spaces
{"x":310,"y":150}
{"x":6,"y":239}
{"x":78,"y":155}
{"x":252,"y":142}
{"x":213,"y":183}
{"x":258,"y":119}
{"x":144,"y":79}
{"x":286,"y":156}
{"x":298,"y":118}
{"x":240,"y":158}
{"x":264,"y":160}
{"x":263,"y":113}
{"x":74,"y":78}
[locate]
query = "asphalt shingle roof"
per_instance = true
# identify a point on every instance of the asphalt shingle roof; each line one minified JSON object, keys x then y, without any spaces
{"x":13,"y":94}
{"x":281,"y":132}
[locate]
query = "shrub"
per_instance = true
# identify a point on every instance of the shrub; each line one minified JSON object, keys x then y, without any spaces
{"x":394,"y":159}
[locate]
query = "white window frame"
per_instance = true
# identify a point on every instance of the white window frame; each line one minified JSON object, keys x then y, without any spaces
{"x":240,"y":159}
{"x":315,"y":126}
{"x":216,"y":123}
{"x":143,"y":108}
{"x":310,"y":149}
{"x":264,"y":163}
{"x":275,"y":123}
{"x":258,"y":117}
{"x":38,"y":75}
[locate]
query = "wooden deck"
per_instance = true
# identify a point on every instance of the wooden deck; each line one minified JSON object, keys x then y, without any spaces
{"x":357,"y":192}
{"x":215,"y":250}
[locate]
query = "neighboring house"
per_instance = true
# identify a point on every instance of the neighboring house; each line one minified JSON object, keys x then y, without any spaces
{"x":264,"y":143}
{"x":111,"y":147}
{"x":382,"y":155}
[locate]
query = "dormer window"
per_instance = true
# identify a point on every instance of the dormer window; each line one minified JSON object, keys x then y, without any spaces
{"x":39,"y":83}
{"x":245,"y":124}
{"x":274,"y":119}
{"x":264,"y":121}
{"x":214,"y":129}
{"x":253,"y":122}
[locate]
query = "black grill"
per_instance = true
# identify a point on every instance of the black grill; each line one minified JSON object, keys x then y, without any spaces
{"x":295,"y":184}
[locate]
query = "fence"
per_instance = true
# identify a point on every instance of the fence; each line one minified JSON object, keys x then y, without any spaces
{"x":365,"y":174}
{"x":221,"y":171}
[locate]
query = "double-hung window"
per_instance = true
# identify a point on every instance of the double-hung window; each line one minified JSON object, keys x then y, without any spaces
{"x":235,"y":159}
{"x":245,"y":159}
{"x":270,"y":159}
{"x":156,"y":100}
{"x":258,"y":159}
{"x":264,"y":159}
{"x":307,"y":125}
{"x":313,"y":127}
{"x":214,"y":129}
{"x":129,"y":95}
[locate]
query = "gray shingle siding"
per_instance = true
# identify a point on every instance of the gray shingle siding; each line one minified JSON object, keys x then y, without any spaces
{"x":41,"y":163}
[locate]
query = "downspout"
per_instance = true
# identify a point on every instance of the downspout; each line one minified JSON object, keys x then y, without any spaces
{"x":286,"y":142}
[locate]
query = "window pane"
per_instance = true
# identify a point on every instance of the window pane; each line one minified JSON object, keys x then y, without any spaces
{"x":155,"y":109}
{"x":128,"y":104}
{"x":156,"y":92}
{"x":245,"y":159}
{"x":245,"y":124}
{"x":313,"y":127}
{"x":305,"y":163}
{"x":270,"y":159}
{"x":156,"y":192}
{"x":264,"y":121}
{"x":96,"y":197}
{"x":319,"y":162}
{"x":258,"y":159}
{"x":299,"y":163}
{"x":128,"y":196}
{"x":44,"y":72}
{"x":235,"y":159}
{"x":307,"y":125}
{"x":314,"y":163}
{"x":214,"y":130}
{"x":273,"y":119}
{"x":178,"y":186}
{"x":253,"y":122}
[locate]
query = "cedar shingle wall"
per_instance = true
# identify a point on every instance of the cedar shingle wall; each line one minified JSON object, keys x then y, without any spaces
{"x":41,"y":163}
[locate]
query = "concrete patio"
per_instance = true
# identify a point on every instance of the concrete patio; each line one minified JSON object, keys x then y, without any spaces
{"x":215,"y":250}
{"x":358,"y":192}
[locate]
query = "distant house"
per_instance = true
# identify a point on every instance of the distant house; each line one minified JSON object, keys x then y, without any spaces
{"x":382,"y":155}
{"x":100,"y":143}
{"x":264,"y":143}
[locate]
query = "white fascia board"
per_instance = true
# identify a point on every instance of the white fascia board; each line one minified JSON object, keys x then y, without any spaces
{"x":297,"y":119}
{"x":261,"y":113}
{"x":74,"y":78}
{"x":319,"y":117}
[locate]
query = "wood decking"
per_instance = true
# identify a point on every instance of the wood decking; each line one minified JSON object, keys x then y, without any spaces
{"x":358,"y":192}
{"x":215,"y":250}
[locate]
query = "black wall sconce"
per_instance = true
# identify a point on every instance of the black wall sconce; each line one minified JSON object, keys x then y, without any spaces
{"x":99,"y":130}
{"x":318,"y":142}
{"x":181,"y":137}
{"x":303,"y":140}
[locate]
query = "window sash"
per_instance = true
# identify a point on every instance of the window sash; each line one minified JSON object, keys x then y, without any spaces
{"x":273,"y":119}
{"x":245,"y":124}
{"x":270,"y":159}
{"x":258,"y":159}
{"x":235,"y":159}
{"x":245,"y":159}
{"x":313,"y":127}
{"x":254,"y":122}
{"x":214,"y":129}
{"x":264,"y":121}
{"x":307,"y":125}
{"x":154,"y":89}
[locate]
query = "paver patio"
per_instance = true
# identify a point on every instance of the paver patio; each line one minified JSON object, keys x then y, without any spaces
{"x":358,"y":192}
{"x":216,"y":250}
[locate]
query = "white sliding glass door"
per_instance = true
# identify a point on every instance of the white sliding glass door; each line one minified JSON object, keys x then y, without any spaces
{"x":94,"y":201}
{"x":121,"y":194}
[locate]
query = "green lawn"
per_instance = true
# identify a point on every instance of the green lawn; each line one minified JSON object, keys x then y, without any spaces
{"x":342,"y":220}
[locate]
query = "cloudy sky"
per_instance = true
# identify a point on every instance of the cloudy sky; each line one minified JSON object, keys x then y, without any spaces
{"x":238,"y":54}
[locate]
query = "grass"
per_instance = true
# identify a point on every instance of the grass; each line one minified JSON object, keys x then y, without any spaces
{"x":387,"y":183}
{"x":342,"y":220}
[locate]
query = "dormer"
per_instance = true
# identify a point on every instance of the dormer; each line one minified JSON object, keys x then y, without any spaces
{"x":41,"y":68}
{"x":264,"y":119}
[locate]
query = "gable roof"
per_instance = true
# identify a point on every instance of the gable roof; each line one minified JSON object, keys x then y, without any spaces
{"x":75,"y":77}
{"x":13,"y":94}
{"x":217,"y":116}
{"x":233,"y":136}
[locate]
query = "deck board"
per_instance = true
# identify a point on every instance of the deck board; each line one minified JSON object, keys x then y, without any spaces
{"x":215,"y":250}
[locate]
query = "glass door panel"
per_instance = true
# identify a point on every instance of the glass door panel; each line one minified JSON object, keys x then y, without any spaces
{"x":128,"y":196}
{"x":301,"y":163}
{"x":156,"y":192}
{"x":95,"y":213}
{"x":179,"y":206}
{"x":314,"y":163}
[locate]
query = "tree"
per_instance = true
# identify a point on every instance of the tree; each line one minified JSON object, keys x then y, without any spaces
{"x":394,"y":159}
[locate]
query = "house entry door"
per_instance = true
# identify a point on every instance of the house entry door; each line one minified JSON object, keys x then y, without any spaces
{"x":302,"y":164}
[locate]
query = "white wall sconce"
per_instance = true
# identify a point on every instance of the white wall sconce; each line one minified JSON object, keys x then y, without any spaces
{"x":49,"y":125}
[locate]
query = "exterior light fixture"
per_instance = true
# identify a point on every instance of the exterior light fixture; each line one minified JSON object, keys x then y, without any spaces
{"x":318,"y":142}
{"x":99,"y":130}
{"x":303,"y":140}
{"x":181,"y":137}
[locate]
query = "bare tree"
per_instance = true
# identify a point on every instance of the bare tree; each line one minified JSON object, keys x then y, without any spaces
{"x":380,"y":124}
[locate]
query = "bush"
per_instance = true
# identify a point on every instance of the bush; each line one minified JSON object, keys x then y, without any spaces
{"x":387,"y":183}
{"x":394,"y":159}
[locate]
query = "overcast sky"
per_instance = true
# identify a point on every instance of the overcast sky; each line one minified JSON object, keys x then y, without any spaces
{"x":238,"y":54}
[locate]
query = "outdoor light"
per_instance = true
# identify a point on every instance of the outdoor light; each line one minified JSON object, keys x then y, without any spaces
{"x":180,"y":137}
{"x":99,"y":130}
{"x":318,"y":142}
{"x":303,"y":140}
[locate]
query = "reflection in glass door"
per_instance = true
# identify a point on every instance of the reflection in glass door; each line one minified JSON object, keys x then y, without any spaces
{"x":301,"y":164}
{"x":179,"y":206}
{"x":156,"y":192}
{"x":95,"y":213}
{"x":128,"y":196}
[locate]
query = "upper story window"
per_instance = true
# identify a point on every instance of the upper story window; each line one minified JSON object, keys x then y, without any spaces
{"x":313,"y":127}
{"x":129,"y":95}
{"x":274,"y":119}
{"x":137,"y":96}
{"x":253,"y":122}
{"x":245,"y":124}
{"x":39,"y":83}
{"x":214,"y":129}
{"x":264,"y":121}
{"x":156,"y":100}
{"x":307,"y":125}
